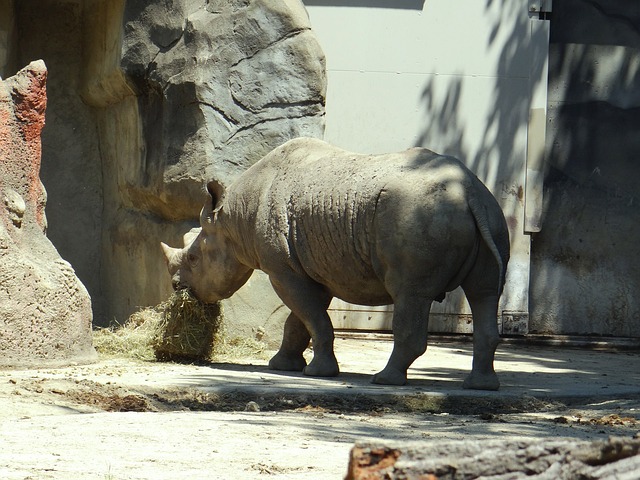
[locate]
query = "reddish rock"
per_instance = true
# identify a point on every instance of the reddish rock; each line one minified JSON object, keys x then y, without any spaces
{"x":495,"y":459}
{"x":45,"y":311}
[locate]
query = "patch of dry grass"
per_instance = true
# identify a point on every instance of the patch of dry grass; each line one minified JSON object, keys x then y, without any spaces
{"x":133,"y":339}
{"x":180,"y":329}
{"x":188,"y":328}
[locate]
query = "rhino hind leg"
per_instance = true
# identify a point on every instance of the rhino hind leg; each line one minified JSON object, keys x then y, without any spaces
{"x":410,"y":325}
{"x":485,"y":342}
{"x":295,"y":341}
{"x":482,"y":288}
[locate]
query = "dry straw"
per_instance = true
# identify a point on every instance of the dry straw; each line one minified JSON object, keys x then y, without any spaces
{"x":188,"y":328}
{"x":180,"y":329}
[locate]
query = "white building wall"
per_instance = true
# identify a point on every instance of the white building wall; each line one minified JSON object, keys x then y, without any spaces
{"x":453,"y":76}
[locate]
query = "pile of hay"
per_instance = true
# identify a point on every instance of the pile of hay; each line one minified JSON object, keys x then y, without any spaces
{"x":131,"y":339}
{"x":188,"y":329}
{"x":180,"y":329}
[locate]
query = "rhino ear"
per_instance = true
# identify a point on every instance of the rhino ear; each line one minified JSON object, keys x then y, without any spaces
{"x":217,"y":191}
{"x":213,"y":205}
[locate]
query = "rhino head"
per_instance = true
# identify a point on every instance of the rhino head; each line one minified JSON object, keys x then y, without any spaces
{"x":207,"y":264}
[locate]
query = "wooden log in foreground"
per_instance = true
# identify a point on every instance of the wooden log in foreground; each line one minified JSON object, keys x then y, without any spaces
{"x":552,"y":459}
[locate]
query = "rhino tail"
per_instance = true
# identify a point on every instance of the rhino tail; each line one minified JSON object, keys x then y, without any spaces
{"x":481,"y":217}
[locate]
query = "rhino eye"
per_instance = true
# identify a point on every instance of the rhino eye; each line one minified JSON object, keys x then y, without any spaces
{"x":192,"y":259}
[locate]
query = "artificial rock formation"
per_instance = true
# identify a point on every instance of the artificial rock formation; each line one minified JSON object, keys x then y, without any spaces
{"x":45,"y":311}
{"x":148,"y":100}
{"x":196,"y":91}
{"x":549,"y":459}
{"x":219,"y":86}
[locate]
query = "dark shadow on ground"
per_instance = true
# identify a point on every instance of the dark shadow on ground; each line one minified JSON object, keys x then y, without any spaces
{"x":533,"y":379}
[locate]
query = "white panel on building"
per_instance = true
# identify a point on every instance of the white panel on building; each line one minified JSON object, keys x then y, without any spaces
{"x":458,"y":77}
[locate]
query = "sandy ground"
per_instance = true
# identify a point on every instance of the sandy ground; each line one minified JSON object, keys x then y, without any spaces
{"x":122,"y":419}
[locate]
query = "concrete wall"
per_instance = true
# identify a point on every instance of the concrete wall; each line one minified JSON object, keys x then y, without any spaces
{"x":71,"y":170}
{"x":586,"y":259}
{"x":459,"y":78}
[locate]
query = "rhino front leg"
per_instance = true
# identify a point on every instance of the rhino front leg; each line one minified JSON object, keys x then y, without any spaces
{"x":295,"y":341}
{"x":410,"y":322}
{"x":308,"y":302}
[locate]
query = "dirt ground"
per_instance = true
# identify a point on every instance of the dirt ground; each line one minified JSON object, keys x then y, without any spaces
{"x":124,"y":419}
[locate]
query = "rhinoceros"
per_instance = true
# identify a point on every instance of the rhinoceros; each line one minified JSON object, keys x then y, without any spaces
{"x":400,"y":228}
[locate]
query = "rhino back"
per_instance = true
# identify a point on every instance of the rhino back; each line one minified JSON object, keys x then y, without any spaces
{"x":331,"y":217}
{"x":316,"y":211}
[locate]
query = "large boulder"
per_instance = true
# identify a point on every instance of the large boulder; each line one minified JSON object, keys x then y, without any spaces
{"x":219,"y":86}
{"x":45,"y":311}
{"x":197,"y":91}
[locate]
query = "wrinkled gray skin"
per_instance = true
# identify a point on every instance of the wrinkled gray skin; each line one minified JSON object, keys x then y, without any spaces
{"x":401,"y":228}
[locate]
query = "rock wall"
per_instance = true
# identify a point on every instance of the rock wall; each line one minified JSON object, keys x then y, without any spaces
{"x":71,"y":164}
{"x":219,"y":85}
{"x":586,"y":260}
{"x":45,"y":311}
{"x":7,"y":35}
{"x":213,"y":88}
{"x":149,"y":100}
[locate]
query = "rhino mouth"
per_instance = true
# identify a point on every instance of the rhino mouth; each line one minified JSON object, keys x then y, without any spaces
{"x":185,"y":291}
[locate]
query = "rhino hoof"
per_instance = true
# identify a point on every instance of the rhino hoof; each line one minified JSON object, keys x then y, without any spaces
{"x":389,"y":377}
{"x":478,"y":381}
{"x":318,"y":368}
{"x":289,"y":363}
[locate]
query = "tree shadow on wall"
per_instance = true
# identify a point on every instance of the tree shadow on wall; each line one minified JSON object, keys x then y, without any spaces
{"x":586,"y":260}
{"x":501,"y":141}
{"x":494,"y":147}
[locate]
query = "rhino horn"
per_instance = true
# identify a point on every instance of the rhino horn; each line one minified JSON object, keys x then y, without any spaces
{"x":169,"y":252}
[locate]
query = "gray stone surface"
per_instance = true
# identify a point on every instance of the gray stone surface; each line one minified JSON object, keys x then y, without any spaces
{"x":45,"y":311}
{"x":586,"y":260}
{"x":149,"y":100}
{"x":219,"y":86}
{"x":615,"y":458}
{"x":216,"y":87}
